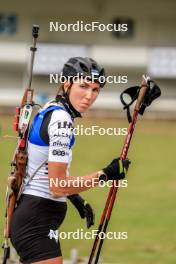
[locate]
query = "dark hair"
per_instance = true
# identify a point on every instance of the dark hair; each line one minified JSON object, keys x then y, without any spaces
{"x":60,"y":90}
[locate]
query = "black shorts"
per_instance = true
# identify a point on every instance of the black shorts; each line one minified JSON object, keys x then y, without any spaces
{"x":34,"y":228}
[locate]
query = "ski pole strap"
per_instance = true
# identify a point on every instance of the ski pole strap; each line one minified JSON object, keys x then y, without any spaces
{"x":131,"y":94}
{"x":127,"y":98}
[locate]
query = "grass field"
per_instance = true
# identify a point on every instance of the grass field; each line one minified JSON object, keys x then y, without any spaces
{"x":145,"y":209}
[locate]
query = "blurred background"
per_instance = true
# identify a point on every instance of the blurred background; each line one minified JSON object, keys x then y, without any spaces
{"x":147,"y":47}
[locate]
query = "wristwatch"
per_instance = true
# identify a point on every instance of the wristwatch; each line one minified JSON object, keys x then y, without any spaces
{"x":102,"y":176}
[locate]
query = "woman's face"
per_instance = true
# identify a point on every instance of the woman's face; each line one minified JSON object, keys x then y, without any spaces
{"x":82,"y":94}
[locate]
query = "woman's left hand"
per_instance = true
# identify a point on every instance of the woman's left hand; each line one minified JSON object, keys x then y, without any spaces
{"x":84,"y":209}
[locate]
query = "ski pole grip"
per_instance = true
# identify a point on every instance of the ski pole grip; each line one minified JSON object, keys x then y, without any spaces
{"x":35,"y":30}
{"x":142,"y":93}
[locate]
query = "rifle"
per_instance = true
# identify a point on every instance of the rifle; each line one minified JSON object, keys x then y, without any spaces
{"x":19,"y":160}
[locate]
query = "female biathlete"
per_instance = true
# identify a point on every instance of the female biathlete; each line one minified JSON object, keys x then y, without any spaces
{"x":43,"y":203}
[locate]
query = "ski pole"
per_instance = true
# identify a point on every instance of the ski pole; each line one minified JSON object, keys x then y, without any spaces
{"x":113,"y":190}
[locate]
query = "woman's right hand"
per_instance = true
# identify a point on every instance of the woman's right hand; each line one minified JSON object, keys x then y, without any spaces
{"x":117,"y":169}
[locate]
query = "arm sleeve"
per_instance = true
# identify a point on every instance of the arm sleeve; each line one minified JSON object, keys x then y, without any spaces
{"x":60,"y":131}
